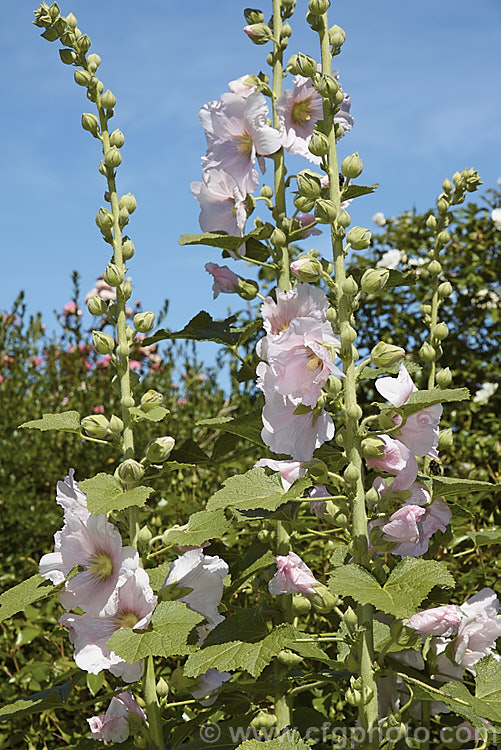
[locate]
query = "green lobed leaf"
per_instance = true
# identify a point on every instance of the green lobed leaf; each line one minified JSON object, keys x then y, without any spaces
{"x":249,"y":622}
{"x":248,"y":426}
{"x":448,"y":486}
{"x":171,"y":624}
{"x":485,"y":537}
{"x":203,"y":328}
{"x":255,"y":489}
{"x":290,"y":740}
{"x":190,"y":452}
{"x":488,"y":682}
{"x":158,"y":575}
{"x":105,"y":493}
{"x":213,"y":239}
{"x":15,"y":600}
{"x":53,"y":697}
{"x":153,"y":414}
{"x":66,"y":421}
{"x":370,"y":373}
{"x":420,"y":400}
{"x":354,"y":191}
{"x":237,"y":655}
{"x":408,"y":584}
{"x":202,"y":527}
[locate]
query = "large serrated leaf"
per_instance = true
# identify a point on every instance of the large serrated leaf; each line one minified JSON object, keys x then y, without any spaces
{"x":153,"y":414}
{"x":213,"y":239}
{"x":66,"y":421}
{"x":485,"y":537}
{"x":203,"y":328}
{"x":105,"y":493}
{"x":248,"y":426}
{"x":202,"y":527}
{"x":15,"y":600}
{"x":370,"y":373}
{"x":354,"y":191}
{"x":290,"y":740}
{"x":408,"y":584}
{"x":248,"y":624}
{"x":53,"y":697}
{"x":190,"y":452}
{"x":448,"y":486}
{"x":420,"y":400}
{"x":237,"y":655}
{"x":255,"y":489}
{"x":488,"y":682}
{"x":171,"y":624}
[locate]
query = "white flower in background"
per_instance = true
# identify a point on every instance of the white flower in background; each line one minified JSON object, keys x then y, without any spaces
{"x":379,"y":219}
{"x":485,"y":392}
{"x":496,"y":218}
{"x":389,"y":259}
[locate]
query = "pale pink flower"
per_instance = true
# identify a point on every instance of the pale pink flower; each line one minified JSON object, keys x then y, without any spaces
{"x":238,"y":86}
{"x":420,"y":431}
{"x":98,"y":409}
{"x":479,"y":629}
{"x":303,"y":301}
{"x":436,"y":517}
{"x":131,"y":605}
{"x":222,"y":203}
{"x":70,"y":498}
{"x":103,"y":290}
{"x":134,"y":364}
{"x":292,"y":576}
{"x":317,"y":505}
{"x":296,"y":435}
{"x":443,"y":621}
{"x":402,"y":525}
{"x":289,"y":470}
{"x":208,"y":684}
{"x":204,"y":575}
{"x":71,"y":308}
{"x":397,"y":460}
{"x":113,"y":725}
{"x":307,"y":221}
{"x":225,"y":281}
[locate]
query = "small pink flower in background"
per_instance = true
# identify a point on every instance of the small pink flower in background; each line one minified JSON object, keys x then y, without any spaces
{"x":222,"y":203}
{"x":443,"y":621}
{"x":35,"y":361}
{"x":113,"y":725}
{"x":397,"y":460}
{"x":208,"y":684}
{"x":131,"y":605}
{"x":289,"y":470}
{"x":1,"y":378}
{"x":103,"y":290}
{"x":71,"y":308}
{"x":204,"y":575}
{"x":104,"y":361}
{"x":225,"y":281}
{"x":134,"y":364}
{"x":293,"y":576}
{"x":98,"y":409}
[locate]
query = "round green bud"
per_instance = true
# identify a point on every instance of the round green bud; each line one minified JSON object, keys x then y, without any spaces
{"x":372,"y":447}
{"x":307,"y":269}
{"x":278,"y":238}
{"x":144,"y":321}
{"x":333,"y":385}
{"x":150,"y":399}
{"x":425,"y":309}
{"x":441,"y":331}
{"x":447,"y":186}
{"x":445,"y":289}
{"x":71,"y":20}
{"x":68,"y":56}
{"x":306,"y":65}
{"x":434,"y":267}
{"x":325,"y":211}
{"x":303,"y":204}
{"x":354,"y":411}
{"x":128,"y":249}
{"x":340,"y":438}
{"x":328,"y":87}
{"x":344,"y":219}
{"x":123,"y":217}
{"x":350,"y":286}
{"x":129,"y":332}
{"x":337,"y":36}
{"x":90,"y":123}
{"x":443,"y":237}
{"x":359,"y":238}
{"x":372,"y":496}
{"x":127,"y":289}
{"x":162,"y":688}
{"x":129,"y":202}
{"x":158,"y":450}
{"x":300,"y":604}
{"x":444,"y":377}
{"x":95,"y":426}
{"x":351,"y":474}
{"x":427,"y":352}
{"x":96,"y":305}
{"x":117,"y":139}
{"x":104,"y":220}
{"x":145,"y":536}
{"x":259,"y":33}
{"x":130,"y":471}
{"x":348,"y":333}
{"x":252,"y":15}
{"x":322,"y":600}
{"x":352,"y":166}
{"x":442,"y":205}
{"x":247,"y":289}
{"x":431,"y":222}
{"x":317,"y":7}
{"x":83,"y":43}
{"x":93,"y":62}
{"x":289,"y":658}
{"x":112,"y":157}
{"x":113,"y":275}
{"x":331,"y":315}
{"x":116,"y":426}
{"x":108,"y":100}
{"x":103,"y":343}
{"x":308,"y":185}
{"x":81,"y":77}
{"x":385,"y":355}
{"x":319,"y":144}
{"x":374,"y":279}
{"x":263,"y":719}
{"x":286,"y":31}
{"x":266,"y":191}
{"x":445,"y":439}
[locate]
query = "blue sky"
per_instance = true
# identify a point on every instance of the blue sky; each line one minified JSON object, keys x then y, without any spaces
{"x":424,"y":80}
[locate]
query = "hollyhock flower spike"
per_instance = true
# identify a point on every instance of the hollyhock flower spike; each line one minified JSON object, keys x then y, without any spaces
{"x":113,"y":726}
{"x":293,"y":576}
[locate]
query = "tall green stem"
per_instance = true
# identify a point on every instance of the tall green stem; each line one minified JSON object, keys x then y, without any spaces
{"x":355,"y":489}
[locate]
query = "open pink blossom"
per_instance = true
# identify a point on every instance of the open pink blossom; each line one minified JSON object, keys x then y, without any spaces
{"x":240,"y":87}
{"x":479,"y":628}
{"x":437,"y":621}
{"x":130,"y":606}
{"x":296,"y":435}
{"x":208,"y":684}
{"x":420,"y":431}
{"x":113,"y":726}
{"x":289,"y":470}
{"x":397,"y":460}
{"x":402,"y":525}
{"x":237,"y":130}
{"x":222,"y":203}
{"x":70,"y":498}
{"x":302,"y":301}
{"x":204,"y":575}
{"x":435,"y":518}
{"x":293,"y":576}
{"x":225,"y":281}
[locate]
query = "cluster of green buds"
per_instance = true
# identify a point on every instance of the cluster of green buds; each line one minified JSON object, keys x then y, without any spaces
{"x":98,"y":427}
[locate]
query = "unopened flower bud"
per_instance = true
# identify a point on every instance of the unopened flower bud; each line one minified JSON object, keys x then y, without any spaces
{"x":434,"y":267}
{"x":95,"y":426}
{"x":359,"y":238}
{"x":81,"y":77}
{"x":144,"y":536}
{"x":288,"y":659}
{"x":258,"y":33}
{"x":351,"y":474}
{"x":319,"y":144}
{"x":96,"y":305}
{"x":352,"y":166}
{"x":447,"y":186}
{"x":113,"y":275}
{"x":331,"y":315}
{"x":337,"y":36}
{"x":425,"y":309}
{"x":303,"y":204}
{"x":68,"y":56}
{"x":307,"y":269}
{"x":151,"y":399}
{"x":385,"y":355}
{"x":247,"y":288}
{"x":158,"y":450}
{"x":123,"y":217}
{"x":445,"y":439}
{"x":127,"y":288}
{"x":108,"y":100}
{"x":104,"y":220}
{"x":71,"y":20}
{"x":328,"y":87}
{"x":117,"y":139}
{"x":375,"y":279}
{"x":253,"y":15}
{"x":333,"y":385}
{"x":306,"y":65}
{"x":372,"y":447}
{"x":278,"y":238}
{"x":441,"y":331}
{"x":112,"y":157}
{"x":431,"y":222}
{"x":116,"y":426}
{"x":144,"y":321}
{"x":354,"y":411}
{"x":103,"y":343}
{"x":130,"y":471}
{"x":308,"y":185}
{"x":300,"y":604}
{"x":325,"y":211}
{"x":443,"y":237}
{"x":266,"y":191}
{"x":348,"y":333}
{"x":372,"y":496}
{"x":318,"y":6}
{"x":472,"y":179}
{"x":427,"y":352}
{"x":128,"y":249}
{"x":442,"y":205}
{"x":90,"y":123}
{"x":286,"y":31}
{"x":445,"y":289}
{"x":162,"y":688}
{"x":83,"y":43}
{"x":93,"y":62}
{"x":323,"y":600}
{"x":350,"y":286}
{"x":263,"y":720}
{"x":129,"y":202}
{"x":444,"y":377}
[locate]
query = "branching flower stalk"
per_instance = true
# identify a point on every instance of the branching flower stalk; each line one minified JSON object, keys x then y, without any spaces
{"x":366,"y":696}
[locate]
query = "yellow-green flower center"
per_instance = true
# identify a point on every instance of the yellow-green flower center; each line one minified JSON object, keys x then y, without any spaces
{"x":301,"y":112}
{"x":101,"y":566}
{"x":245,"y":144}
{"x":126,"y":619}
{"x":314,"y":362}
